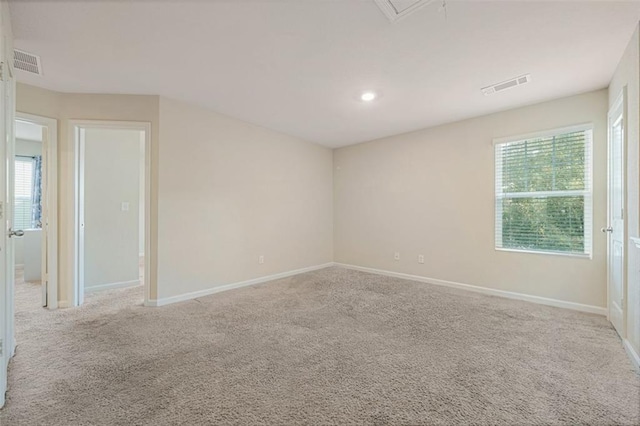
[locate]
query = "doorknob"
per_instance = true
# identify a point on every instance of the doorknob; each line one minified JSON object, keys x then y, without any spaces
{"x":607,"y":229}
{"x":16,"y":233}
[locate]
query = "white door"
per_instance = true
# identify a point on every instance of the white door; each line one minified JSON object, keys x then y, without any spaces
{"x":6,"y":305}
{"x":7,"y":267}
{"x":616,"y":226}
{"x":5,"y":287}
{"x":10,"y":272}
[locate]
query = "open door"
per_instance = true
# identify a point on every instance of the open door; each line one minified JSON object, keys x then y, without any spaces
{"x":616,"y":224}
{"x":7,"y":269}
{"x":6,"y":287}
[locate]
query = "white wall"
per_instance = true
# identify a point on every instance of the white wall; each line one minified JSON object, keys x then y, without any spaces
{"x":628,"y":74}
{"x":431,"y":192}
{"x":18,"y":246}
{"x":28,"y":148}
{"x":32,"y":242}
{"x":229,"y":192}
{"x":111,"y":177}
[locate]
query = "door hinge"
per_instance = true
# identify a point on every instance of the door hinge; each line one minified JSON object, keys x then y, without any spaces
{"x":1,"y":71}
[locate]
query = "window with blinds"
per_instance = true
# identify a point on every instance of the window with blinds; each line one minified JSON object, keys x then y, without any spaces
{"x":23,"y":201}
{"x":543,"y":192}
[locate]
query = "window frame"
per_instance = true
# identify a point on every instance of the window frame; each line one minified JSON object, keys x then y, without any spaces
{"x":26,"y":159}
{"x":587,"y":193}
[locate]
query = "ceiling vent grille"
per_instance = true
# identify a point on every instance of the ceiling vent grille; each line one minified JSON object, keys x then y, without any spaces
{"x":27,"y":62}
{"x":508,"y":84}
{"x":398,"y":9}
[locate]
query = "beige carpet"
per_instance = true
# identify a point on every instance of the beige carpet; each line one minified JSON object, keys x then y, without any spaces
{"x":327,"y":347}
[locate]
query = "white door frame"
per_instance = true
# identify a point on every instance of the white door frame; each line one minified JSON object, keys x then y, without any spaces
{"x":76,"y":128}
{"x":50,"y":147}
{"x":620,"y":102}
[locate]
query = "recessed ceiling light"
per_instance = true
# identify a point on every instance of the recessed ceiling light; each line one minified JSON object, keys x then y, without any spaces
{"x":368,"y":96}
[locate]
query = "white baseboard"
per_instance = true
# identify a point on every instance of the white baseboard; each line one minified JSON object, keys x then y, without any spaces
{"x":633,"y":355}
{"x":112,"y":286}
{"x":478,"y":289}
{"x":63,"y":304}
{"x":206,"y":292}
{"x":20,"y":266}
{"x":485,"y":290}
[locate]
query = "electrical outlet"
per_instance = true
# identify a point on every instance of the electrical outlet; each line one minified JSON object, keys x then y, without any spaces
{"x":396,"y":256}
{"x":420,"y":258}
{"x":261,"y":259}
{"x":125,"y":206}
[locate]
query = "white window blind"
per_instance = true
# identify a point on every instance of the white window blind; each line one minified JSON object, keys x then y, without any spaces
{"x":23,"y":202}
{"x":543,"y":192}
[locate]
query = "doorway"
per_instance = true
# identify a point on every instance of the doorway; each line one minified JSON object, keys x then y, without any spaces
{"x":112,"y":195}
{"x":34,"y":220}
{"x":616,"y":228}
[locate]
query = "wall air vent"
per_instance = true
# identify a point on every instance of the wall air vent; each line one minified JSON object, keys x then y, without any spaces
{"x":508,"y":84}
{"x":398,"y":9}
{"x":27,"y":62}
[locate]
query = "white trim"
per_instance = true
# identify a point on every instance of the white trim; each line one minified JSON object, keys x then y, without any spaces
{"x":484,"y":290}
{"x":147,"y":213}
{"x":548,"y":252}
{"x":543,"y":134}
{"x":636,"y":241}
{"x":111,"y":286}
{"x":76,"y":289}
{"x":225,"y":287}
{"x":588,"y":198}
{"x":52,"y":203}
{"x":633,"y":355}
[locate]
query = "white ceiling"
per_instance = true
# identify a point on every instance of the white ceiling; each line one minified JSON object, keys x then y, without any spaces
{"x":401,"y":5}
{"x":298,"y":66}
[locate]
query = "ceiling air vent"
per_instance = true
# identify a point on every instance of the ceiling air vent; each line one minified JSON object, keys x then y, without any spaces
{"x":398,"y":9}
{"x":27,"y":62}
{"x":514,"y":82}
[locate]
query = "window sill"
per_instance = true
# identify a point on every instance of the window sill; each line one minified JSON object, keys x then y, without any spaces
{"x":548,"y":253}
